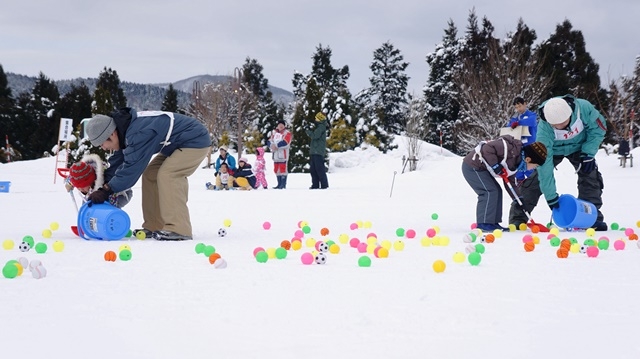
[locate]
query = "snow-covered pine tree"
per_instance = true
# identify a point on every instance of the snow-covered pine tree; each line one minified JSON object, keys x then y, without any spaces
{"x":170,"y":101}
{"x":108,"y":95}
{"x":44,"y":133}
{"x":7,"y":114}
{"x":441,"y":106}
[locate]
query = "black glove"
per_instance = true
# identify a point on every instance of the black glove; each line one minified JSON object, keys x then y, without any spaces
{"x":515,"y":124}
{"x":588,"y":164}
{"x":497,"y":169}
{"x":100,"y":196}
{"x":554,"y":202}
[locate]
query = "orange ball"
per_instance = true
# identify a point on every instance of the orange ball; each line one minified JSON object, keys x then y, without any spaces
{"x":535,"y":229}
{"x":324,"y":231}
{"x":633,"y":237}
{"x":562,"y":252}
{"x":285,"y":244}
{"x":490,"y":238}
{"x":110,"y":256}
{"x":566,"y":244}
{"x":213,"y":258}
{"x":529,"y":246}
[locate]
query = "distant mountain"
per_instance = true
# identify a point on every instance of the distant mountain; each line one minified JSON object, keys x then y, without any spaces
{"x":139,"y":96}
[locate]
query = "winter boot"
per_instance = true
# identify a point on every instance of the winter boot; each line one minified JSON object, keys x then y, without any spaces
{"x":284,"y":182}
{"x":279,"y":186}
{"x":170,"y":236}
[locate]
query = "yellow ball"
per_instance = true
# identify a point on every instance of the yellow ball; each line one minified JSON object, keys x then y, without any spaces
{"x":334,"y":249}
{"x":575,"y":248}
{"x":444,"y":241}
{"x":425,"y":241}
{"x":590,"y":232}
{"x":435,"y":241}
{"x":20,"y":269}
{"x":522,"y":227}
{"x":398,"y":245}
{"x":367,"y":224}
{"x":372,"y":240}
{"x":436,"y":228}
{"x":638,"y":224}
{"x":123,"y":247}
{"x":314,"y":253}
{"x":360,"y":224}
{"x":344,"y":238}
{"x":383,"y":253}
{"x":311,"y":243}
{"x":54,"y":226}
{"x":554,"y":231}
{"x":497,"y":233}
{"x":512,"y":227}
{"x":296,"y":245}
{"x":46,"y":233}
{"x":58,"y":246}
{"x":271,"y":252}
{"x":227,"y":223}
{"x":536,"y":240}
{"x":303,"y":223}
{"x":371,"y":248}
{"x":8,"y":244}
{"x":141,"y":235}
{"x":439,"y":266}
{"x":386,"y":244}
{"x":459,"y":257}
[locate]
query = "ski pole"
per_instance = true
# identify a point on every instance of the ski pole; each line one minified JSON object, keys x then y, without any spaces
{"x":73,"y":199}
{"x":392,"y":182}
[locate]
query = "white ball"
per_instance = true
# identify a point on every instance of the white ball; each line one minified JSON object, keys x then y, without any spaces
{"x":222,"y":232}
{"x":34,"y":263}
{"x":24,"y":262}
{"x":321,"y":258}
{"x":583,"y":249}
{"x":220,"y":263}
{"x":39,"y":272}
{"x":467,"y":238}
{"x":24,"y":247}
{"x":470,"y":248}
{"x":323,"y":247}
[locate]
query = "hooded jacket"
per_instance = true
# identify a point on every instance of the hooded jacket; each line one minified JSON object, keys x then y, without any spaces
{"x":493,"y":152}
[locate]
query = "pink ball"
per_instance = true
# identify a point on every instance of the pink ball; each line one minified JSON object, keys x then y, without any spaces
{"x":362,"y":247}
{"x":593,"y":251}
{"x":372,"y":235}
{"x":353,"y":226}
{"x":628,"y":232}
{"x":258,"y":249}
{"x":375,"y":251}
{"x":432,"y":232}
{"x":528,"y":238}
{"x":603,"y":238}
{"x":354,"y":242}
{"x":298,"y":234}
{"x":411,"y":233}
{"x":318,"y":243}
{"x":618,"y":245}
{"x":299,"y":224}
{"x":266,"y":225}
{"x":473,"y":225}
{"x":307,"y":258}
{"x":296,"y":239}
{"x":549,"y":236}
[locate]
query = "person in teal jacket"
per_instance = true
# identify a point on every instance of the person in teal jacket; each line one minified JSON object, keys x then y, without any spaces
{"x":571,"y":128}
{"x":317,"y":150}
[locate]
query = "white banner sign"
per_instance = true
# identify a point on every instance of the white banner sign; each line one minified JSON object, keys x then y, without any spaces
{"x":66,"y":129}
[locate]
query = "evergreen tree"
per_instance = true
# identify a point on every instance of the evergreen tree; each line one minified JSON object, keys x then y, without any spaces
{"x":441,"y":107}
{"x":76,"y":104}
{"x":108,"y":95}
{"x":170,"y":102}
{"x":568,"y":63}
{"x":7,"y":115}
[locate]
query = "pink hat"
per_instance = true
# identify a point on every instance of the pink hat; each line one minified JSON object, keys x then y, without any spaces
{"x":243,"y":159}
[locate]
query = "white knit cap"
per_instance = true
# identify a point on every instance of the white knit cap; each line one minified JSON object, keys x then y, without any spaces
{"x":556,"y":111}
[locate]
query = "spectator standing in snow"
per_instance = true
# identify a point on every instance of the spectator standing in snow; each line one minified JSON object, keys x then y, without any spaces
{"x":279,"y":143}
{"x":317,"y":152}
{"x":258,"y":169}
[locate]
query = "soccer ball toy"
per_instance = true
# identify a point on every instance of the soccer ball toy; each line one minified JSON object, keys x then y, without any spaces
{"x":222,"y":232}
{"x":24,"y":247}
{"x":321,"y":258}
{"x":583,"y":249}
{"x":323,"y":247}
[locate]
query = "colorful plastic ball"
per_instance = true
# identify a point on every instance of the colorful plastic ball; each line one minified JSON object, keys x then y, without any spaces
{"x":618,"y":245}
{"x":200,"y":248}
{"x":474,"y":258}
{"x":590,"y":232}
{"x":364,"y":261}
{"x":266,"y":225}
{"x":512,"y":227}
{"x":386,"y":244}
{"x":480,"y":248}
{"x":58,"y":246}
{"x":10,"y":271}
{"x":439,"y":266}
{"x":555,"y":242}
{"x":400,"y":232}
{"x":431,"y":232}
{"x":575,"y":248}
{"x":29,"y":240}
{"x":296,"y":245}
{"x":209,"y":250}
{"x":298,"y":234}
{"x":398,"y":245}
{"x":24,"y":262}
{"x":590,"y":242}
{"x":372,"y":240}
{"x":469,"y":238}
{"x":285,"y":244}
{"x":354,"y":242}
{"x":633,"y":237}
{"x":529,"y":247}
{"x":435,"y":241}
{"x":262,"y":257}
{"x":535,"y":229}
{"x":536,"y":240}
{"x":522,"y":226}
{"x":473,"y":226}
{"x":321,"y":246}
{"x":615,"y":226}
{"x":470,"y":248}
{"x":565,"y":243}
{"x":320,"y":258}
{"x":573,"y":240}
{"x":324,"y":231}
{"x":214,"y":257}
{"x":24,"y":247}
{"x":54,"y":226}
{"x":257,"y":250}
{"x":372,"y":247}
{"x":444,"y":241}
{"x":129,"y":233}
{"x":425,"y":241}
{"x":281,"y":253}
{"x":458,"y":257}
{"x":383,"y":252}
{"x":123,"y":247}
{"x":8,"y":244}
{"x":220,"y":264}
{"x":562,"y":252}
{"x":593,"y":252}
{"x":227,"y":223}
{"x":271,"y":252}
{"x":46,"y":233}
{"x":434,"y":216}
{"x":343,"y":238}
{"x":311,"y":243}
{"x":490,"y":238}
{"x":39,"y":272}
{"x":555,"y":231}
{"x":362,"y":247}
{"x":497,"y":233}
{"x":307,"y":258}
{"x":334,"y":248}
{"x":306,"y":229}
{"x":628,"y":232}
{"x":366,"y":224}
{"x":141,"y":235}
{"x":125,"y":255}
{"x":110,"y":256}
{"x":527,"y":238}
{"x":410,"y":233}
{"x":41,"y":247}
{"x":353,"y":226}
{"x":20,"y":268}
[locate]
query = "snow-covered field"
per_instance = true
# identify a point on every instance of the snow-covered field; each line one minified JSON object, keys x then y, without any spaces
{"x":169,"y":302}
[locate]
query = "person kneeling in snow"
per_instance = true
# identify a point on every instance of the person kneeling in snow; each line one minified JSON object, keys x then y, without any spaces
{"x":88,"y":175}
{"x":490,"y":160}
{"x":245,"y":179}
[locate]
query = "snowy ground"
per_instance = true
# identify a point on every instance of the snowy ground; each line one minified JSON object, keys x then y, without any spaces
{"x":169,"y":302}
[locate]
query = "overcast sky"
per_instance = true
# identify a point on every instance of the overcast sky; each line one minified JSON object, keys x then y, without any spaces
{"x":153,"y":41}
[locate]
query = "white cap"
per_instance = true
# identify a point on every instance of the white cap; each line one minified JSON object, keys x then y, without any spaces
{"x":556,"y":111}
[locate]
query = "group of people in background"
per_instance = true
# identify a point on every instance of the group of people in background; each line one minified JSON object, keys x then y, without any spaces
{"x":564,"y":127}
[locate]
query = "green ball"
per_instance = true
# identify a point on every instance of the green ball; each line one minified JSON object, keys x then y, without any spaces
{"x":330,"y":243}
{"x":281,"y":253}
{"x":555,"y":242}
{"x":474,"y":258}
{"x":200,"y":248}
{"x":209,"y":250}
{"x":603,"y":245}
{"x":480,"y":248}
{"x":400,"y":232}
{"x":589,"y":242}
{"x":10,"y":270}
{"x":473,"y":237}
{"x":41,"y":248}
{"x":29,"y":240}
{"x":573,"y":240}
{"x":434,"y":216}
{"x":262,"y":257}
{"x":306,"y":229}
{"x":129,"y":234}
{"x":614,"y":226}
{"x":364,"y":261}
{"x":125,"y":255}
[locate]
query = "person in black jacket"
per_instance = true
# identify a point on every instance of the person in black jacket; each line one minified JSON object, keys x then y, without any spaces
{"x":244,"y":172}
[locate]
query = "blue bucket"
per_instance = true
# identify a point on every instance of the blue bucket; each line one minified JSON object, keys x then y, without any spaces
{"x":102,"y":221}
{"x":4,"y":186}
{"x":574,"y":213}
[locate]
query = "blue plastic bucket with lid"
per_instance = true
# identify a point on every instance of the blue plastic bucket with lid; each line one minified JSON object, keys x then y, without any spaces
{"x":574,"y":213}
{"x":102,"y":221}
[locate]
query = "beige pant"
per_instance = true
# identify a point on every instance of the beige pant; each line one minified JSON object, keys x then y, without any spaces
{"x":165,"y":190}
